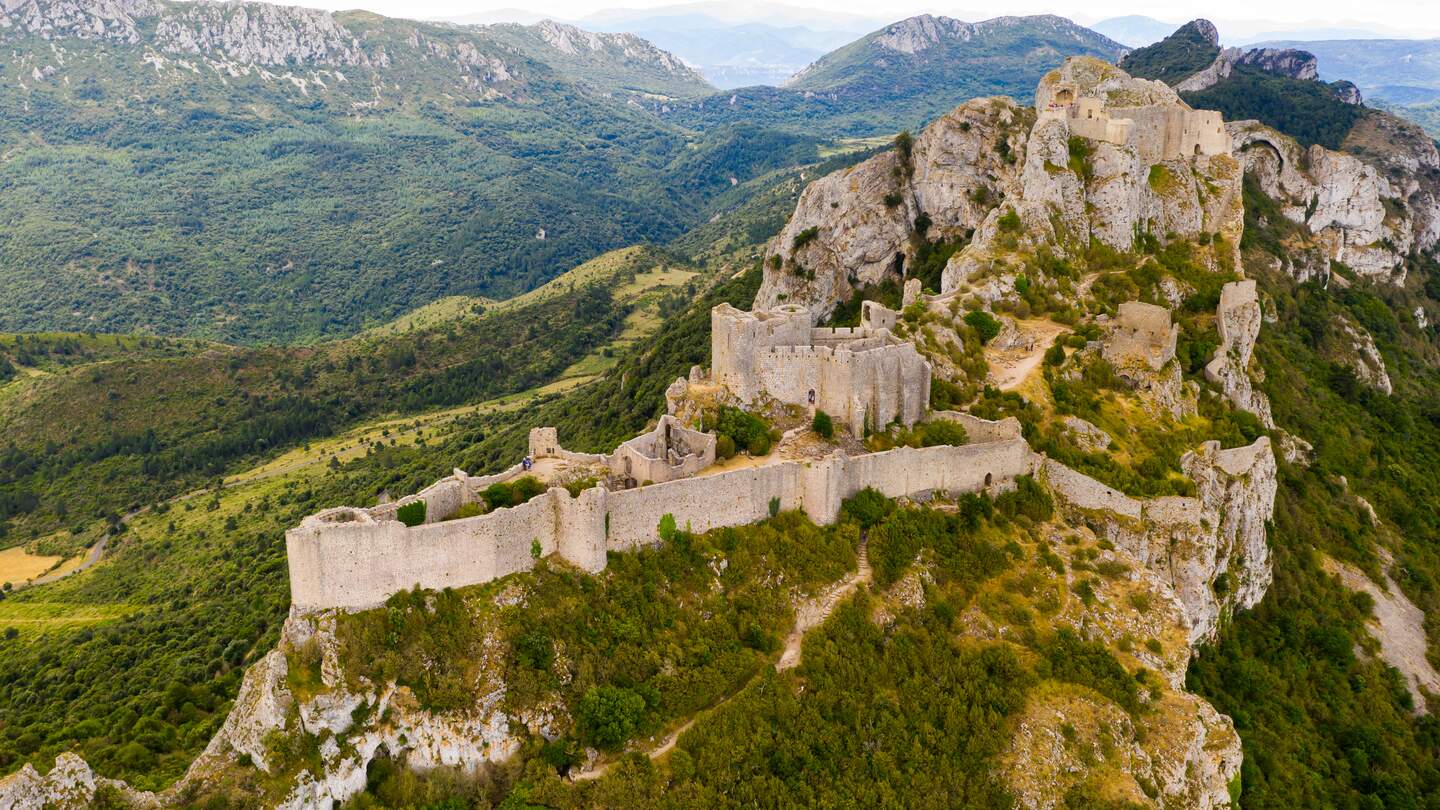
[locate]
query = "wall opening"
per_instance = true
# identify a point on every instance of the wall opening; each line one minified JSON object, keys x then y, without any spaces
{"x":1197,"y":150}
{"x":1064,"y":96}
{"x":989,"y":477}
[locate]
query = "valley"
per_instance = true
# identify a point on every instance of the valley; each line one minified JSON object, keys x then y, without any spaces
{"x":1127,"y":393}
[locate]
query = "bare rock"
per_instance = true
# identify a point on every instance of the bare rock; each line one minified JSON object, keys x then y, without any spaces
{"x":1239,"y":318}
{"x":854,"y":227}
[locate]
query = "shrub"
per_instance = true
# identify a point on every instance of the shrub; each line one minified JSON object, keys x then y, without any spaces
{"x":1028,"y":499}
{"x":984,"y":324}
{"x":512,"y":493}
{"x":467,"y":510}
{"x":667,"y":529}
{"x":724,"y":447}
{"x":744,"y":430}
{"x":866,"y":507}
{"x":609,"y":715}
{"x":941,"y":432}
{"x":411,"y":514}
{"x":823,"y":424}
{"x":1055,"y":355}
{"x":1010,"y":221}
{"x":774,"y":507}
{"x":805,"y":237}
{"x":893,"y":199}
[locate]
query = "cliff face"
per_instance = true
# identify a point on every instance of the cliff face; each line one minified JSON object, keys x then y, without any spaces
{"x":1209,"y":549}
{"x":856,"y":227}
{"x":1072,"y":189}
{"x":1238,"y":319}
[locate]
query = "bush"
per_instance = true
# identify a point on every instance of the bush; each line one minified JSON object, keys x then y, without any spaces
{"x":724,"y":447}
{"x":941,"y":432}
{"x":512,"y":493}
{"x":467,"y":510}
{"x":805,"y":237}
{"x":984,"y":324}
{"x":1010,"y":222}
{"x":866,"y":507}
{"x":1055,"y":355}
{"x":411,"y":514}
{"x":609,"y":715}
{"x":823,"y":424}
{"x":1028,"y":499}
{"x":744,"y":430}
{"x":667,"y":529}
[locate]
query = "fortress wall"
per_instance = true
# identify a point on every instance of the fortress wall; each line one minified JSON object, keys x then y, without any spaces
{"x":1085,"y":492}
{"x":789,"y":373}
{"x":980,"y":430}
{"x":907,"y":471}
{"x":728,"y":499}
{"x":441,"y":498}
{"x":580,"y":527}
{"x":357,"y":564}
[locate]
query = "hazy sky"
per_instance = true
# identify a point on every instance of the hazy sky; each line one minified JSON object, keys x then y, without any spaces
{"x":1400,"y":17}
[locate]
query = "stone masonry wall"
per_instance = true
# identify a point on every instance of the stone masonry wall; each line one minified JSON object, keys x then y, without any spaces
{"x":347,"y":558}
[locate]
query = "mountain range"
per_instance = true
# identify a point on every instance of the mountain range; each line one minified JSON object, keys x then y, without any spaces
{"x":251,"y":172}
{"x":1154,"y":526}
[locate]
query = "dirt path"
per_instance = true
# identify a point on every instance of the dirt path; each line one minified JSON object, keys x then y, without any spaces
{"x":815,"y":611}
{"x":1010,"y":367}
{"x":808,"y":616}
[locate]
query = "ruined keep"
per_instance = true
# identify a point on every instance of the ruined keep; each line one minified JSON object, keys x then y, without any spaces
{"x":859,"y":375}
{"x":1160,"y":131}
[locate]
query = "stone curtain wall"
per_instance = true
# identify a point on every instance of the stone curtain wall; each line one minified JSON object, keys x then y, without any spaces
{"x":359,"y":562}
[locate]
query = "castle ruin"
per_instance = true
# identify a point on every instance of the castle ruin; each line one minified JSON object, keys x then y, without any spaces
{"x":1158,"y":132}
{"x":858,"y":375}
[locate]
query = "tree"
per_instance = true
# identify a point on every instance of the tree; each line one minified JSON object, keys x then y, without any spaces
{"x":609,"y":715}
{"x":823,"y":424}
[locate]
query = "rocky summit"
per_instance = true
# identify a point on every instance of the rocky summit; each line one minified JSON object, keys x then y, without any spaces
{"x":1074,"y":449}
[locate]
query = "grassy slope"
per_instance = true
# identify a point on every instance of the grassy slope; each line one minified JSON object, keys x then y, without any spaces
{"x":154,"y":427}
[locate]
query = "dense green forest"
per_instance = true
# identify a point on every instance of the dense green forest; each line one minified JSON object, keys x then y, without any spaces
{"x":1174,"y":58}
{"x":1308,"y":111}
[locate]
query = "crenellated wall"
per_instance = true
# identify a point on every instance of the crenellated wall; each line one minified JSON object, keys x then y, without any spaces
{"x":854,"y":374}
{"x":350,"y":558}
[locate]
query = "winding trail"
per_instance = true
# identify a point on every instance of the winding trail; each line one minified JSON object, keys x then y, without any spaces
{"x":809,"y":615}
{"x":815,"y":611}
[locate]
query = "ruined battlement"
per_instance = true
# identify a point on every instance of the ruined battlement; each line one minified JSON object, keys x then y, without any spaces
{"x":1103,"y":104}
{"x":1141,"y":335}
{"x":855,"y":374}
{"x":353,"y":559}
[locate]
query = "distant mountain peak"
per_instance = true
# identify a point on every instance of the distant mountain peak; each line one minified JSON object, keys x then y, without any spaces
{"x":1204,"y":28}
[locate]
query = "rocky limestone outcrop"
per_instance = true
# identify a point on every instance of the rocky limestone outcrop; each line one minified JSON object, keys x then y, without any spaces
{"x":1289,"y":62}
{"x":1238,"y":319}
{"x":260,"y":34}
{"x":1363,"y":356}
{"x":70,"y":785}
{"x":83,"y":19}
{"x":1064,"y":198}
{"x":1355,"y":213}
{"x":1210,"y":548}
{"x":1187,"y":758}
{"x":350,"y":727}
{"x":856,"y":226}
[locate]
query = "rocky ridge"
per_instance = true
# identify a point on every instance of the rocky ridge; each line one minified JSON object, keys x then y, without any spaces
{"x":308,"y":49}
{"x":856,"y":227}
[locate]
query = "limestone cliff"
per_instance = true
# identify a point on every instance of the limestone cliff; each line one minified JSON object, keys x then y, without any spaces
{"x":857,"y":226}
{"x":1211,"y":548}
{"x":1075,"y":188}
{"x":1238,"y":319}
